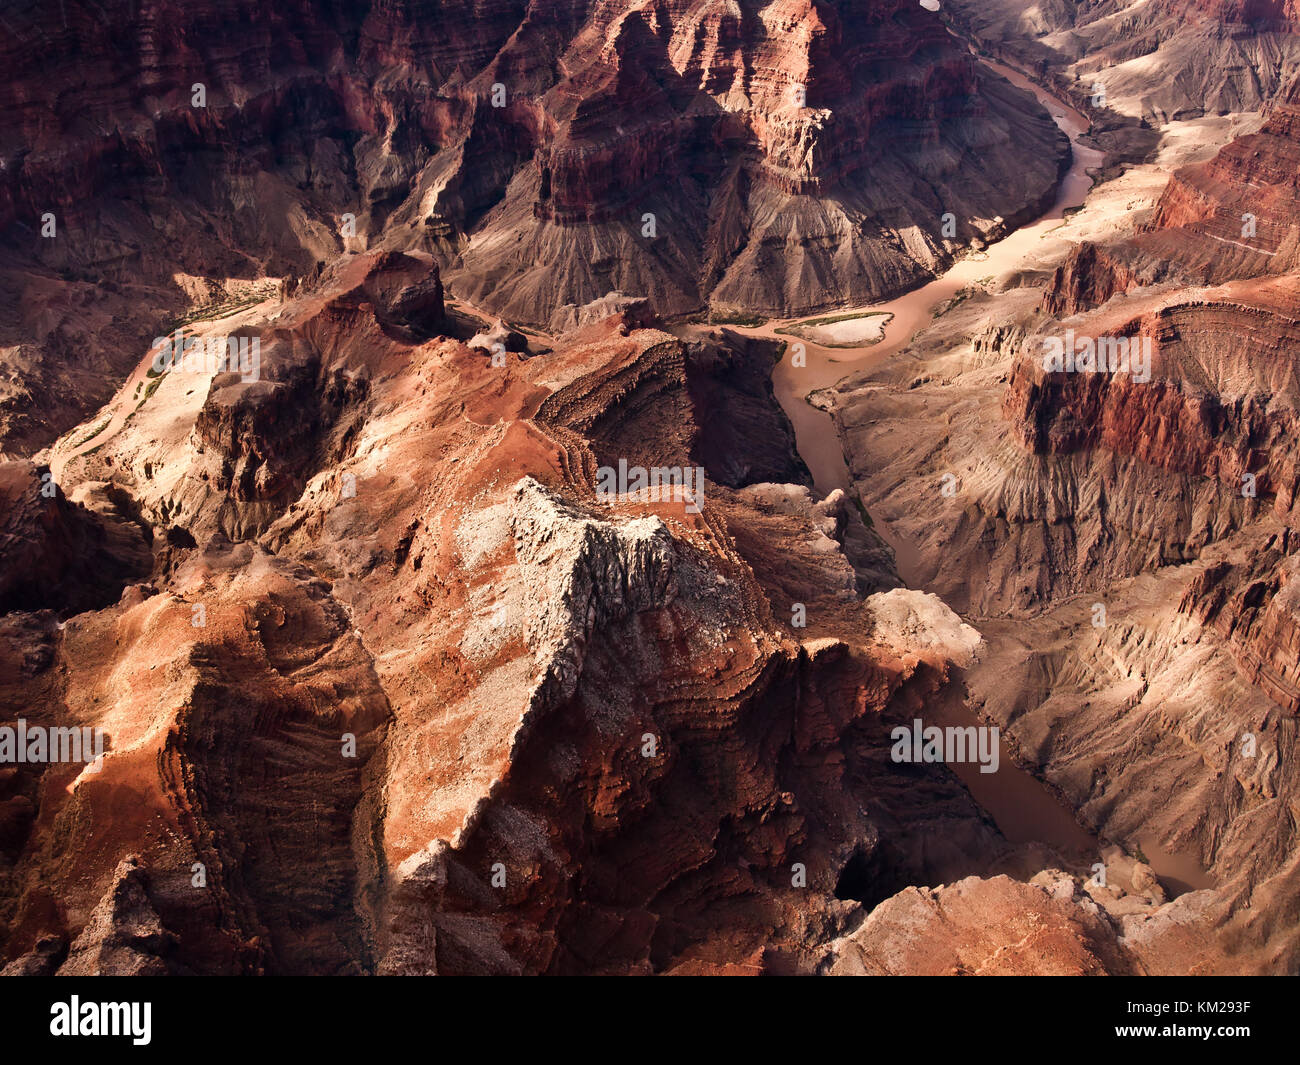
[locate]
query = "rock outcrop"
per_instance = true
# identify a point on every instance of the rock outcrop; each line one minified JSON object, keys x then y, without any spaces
{"x":406,"y":693}
{"x":975,"y":927}
{"x":60,"y":554}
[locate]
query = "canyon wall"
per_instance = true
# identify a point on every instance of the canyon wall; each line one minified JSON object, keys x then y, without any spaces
{"x":1154,"y":61}
{"x":769,"y":157}
{"x":1124,"y":535}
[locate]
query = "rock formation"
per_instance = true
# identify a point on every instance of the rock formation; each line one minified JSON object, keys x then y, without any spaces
{"x":159,"y":162}
{"x":448,"y":709}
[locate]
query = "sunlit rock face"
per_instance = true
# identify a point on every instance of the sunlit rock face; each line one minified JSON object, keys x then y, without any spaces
{"x":1155,"y":60}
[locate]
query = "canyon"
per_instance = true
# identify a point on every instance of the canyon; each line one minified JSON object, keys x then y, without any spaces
{"x":723,"y":157}
{"x":393,"y":684}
